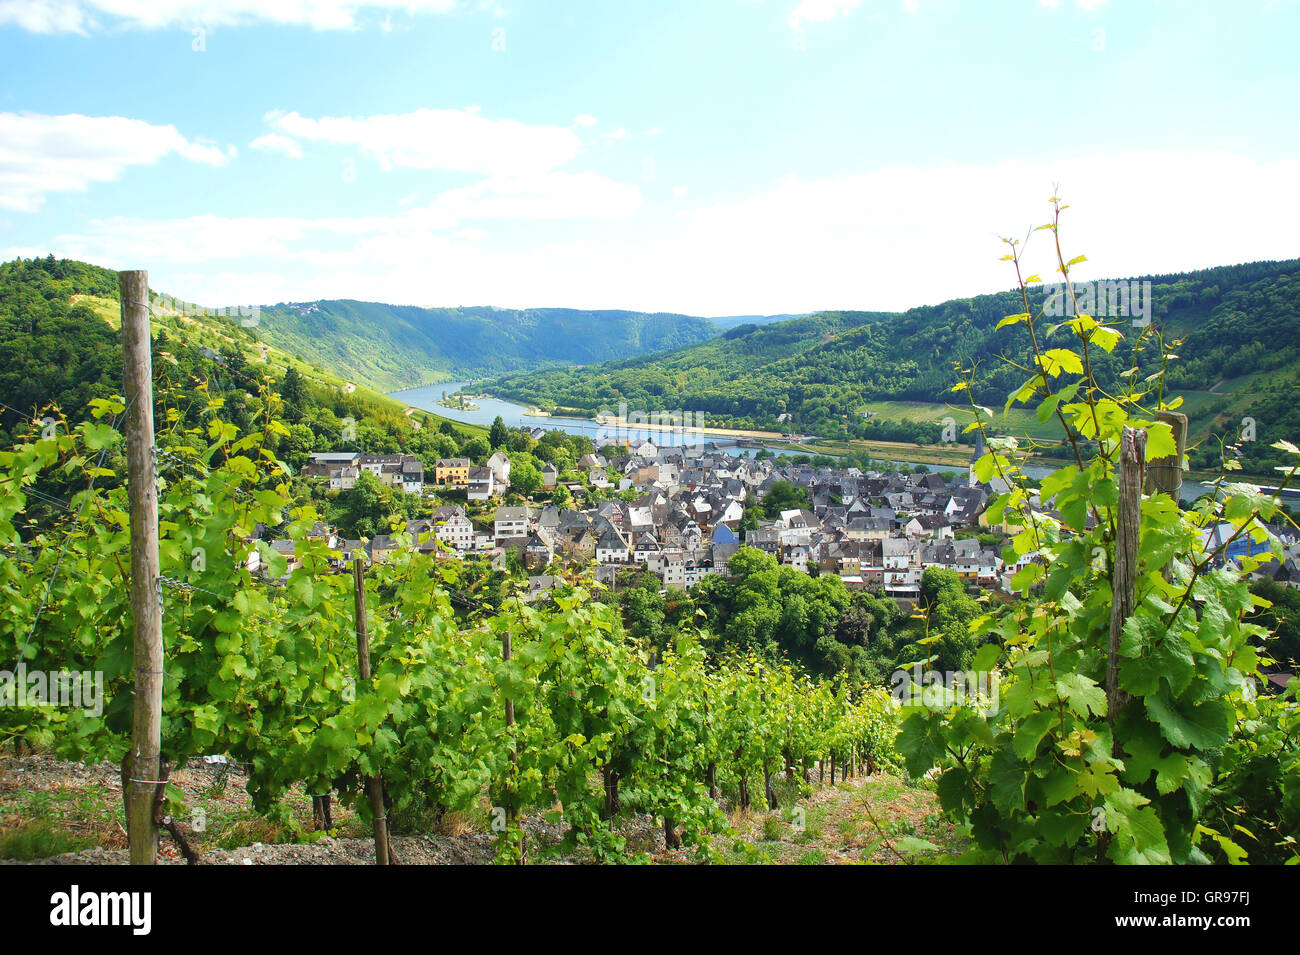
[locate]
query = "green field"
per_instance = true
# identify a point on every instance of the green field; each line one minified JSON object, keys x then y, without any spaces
{"x":1023,"y":422}
{"x":1017,"y":421}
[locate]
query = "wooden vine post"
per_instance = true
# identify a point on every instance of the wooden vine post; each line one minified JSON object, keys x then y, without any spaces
{"x":711,"y":770}
{"x":375,"y":784}
{"x":769,"y":793}
{"x":143,"y":764}
{"x":1162,"y":475}
{"x":1123,"y":581}
{"x":1166,"y":474}
{"x":512,"y":812}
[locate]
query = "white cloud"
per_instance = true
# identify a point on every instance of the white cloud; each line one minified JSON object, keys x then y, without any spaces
{"x":41,"y":154}
{"x":887,"y":238}
{"x":458,"y":140}
{"x":554,"y":195}
{"x":612,"y":137}
{"x":353,"y":240}
{"x":679,"y":192}
{"x":86,"y":16}
{"x":898,"y":237}
{"x":277,"y":143}
{"x":819,"y":11}
{"x":582,"y":119}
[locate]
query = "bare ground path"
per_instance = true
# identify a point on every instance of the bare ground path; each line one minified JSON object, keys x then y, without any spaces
{"x":54,"y":812}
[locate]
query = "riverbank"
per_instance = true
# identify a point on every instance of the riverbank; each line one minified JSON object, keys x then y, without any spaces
{"x":622,"y":424}
{"x":919,"y":453}
{"x":951,"y":457}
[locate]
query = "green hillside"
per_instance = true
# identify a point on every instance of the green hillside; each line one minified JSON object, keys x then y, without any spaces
{"x":1239,"y":357}
{"x":735,"y":375}
{"x":60,"y":347}
{"x":402,"y":346}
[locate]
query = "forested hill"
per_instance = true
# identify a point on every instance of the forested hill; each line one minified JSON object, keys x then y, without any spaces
{"x":60,"y":349}
{"x":748,"y":373}
{"x":391,"y":346}
{"x":54,"y":348}
{"x":1241,"y":325}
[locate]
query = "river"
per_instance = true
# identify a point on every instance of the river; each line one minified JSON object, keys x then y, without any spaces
{"x":516,"y":416}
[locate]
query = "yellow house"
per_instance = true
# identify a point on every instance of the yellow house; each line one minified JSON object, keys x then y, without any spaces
{"x":453,"y":471}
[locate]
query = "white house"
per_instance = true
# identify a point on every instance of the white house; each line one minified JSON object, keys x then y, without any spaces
{"x":344,"y":477}
{"x":482,"y":484}
{"x":499,"y":465}
{"x":512,"y":522}
{"x":412,"y":472}
{"x":374,"y":463}
{"x":453,"y":528}
{"x":611,"y":549}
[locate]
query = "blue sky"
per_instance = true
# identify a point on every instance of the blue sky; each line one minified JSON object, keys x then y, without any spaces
{"x":712,"y":157}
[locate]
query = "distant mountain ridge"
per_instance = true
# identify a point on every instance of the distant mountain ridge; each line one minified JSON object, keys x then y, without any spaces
{"x":1240,"y":358}
{"x":727,"y":322}
{"x":390,"y":347}
{"x":398,"y":346}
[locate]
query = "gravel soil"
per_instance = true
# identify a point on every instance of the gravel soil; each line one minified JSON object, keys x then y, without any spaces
{"x":862,"y":820}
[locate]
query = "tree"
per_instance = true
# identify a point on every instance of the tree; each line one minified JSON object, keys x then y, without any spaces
{"x":292,"y":390}
{"x":298,"y":445}
{"x":366,"y":509}
{"x":524,"y":476}
{"x":784,"y":496}
{"x":949,"y":610}
{"x":234,"y":358}
{"x":748,"y":561}
{"x":749,"y":522}
{"x":1282,"y":619}
{"x":643,"y":611}
{"x":498,"y":434}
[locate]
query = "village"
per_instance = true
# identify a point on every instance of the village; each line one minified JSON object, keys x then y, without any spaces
{"x":877,"y":531}
{"x":688,"y":513}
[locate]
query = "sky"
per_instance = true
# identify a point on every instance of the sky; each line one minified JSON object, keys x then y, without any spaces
{"x":711,"y":157}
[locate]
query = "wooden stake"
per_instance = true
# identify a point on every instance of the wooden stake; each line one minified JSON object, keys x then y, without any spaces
{"x":512,"y":813}
{"x":506,"y":652}
{"x":375,"y":784}
{"x":1123,"y":581}
{"x":710,"y":771}
{"x":144,"y":761}
{"x":1166,"y":474}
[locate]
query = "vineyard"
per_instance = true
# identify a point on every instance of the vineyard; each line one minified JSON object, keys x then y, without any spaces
{"x":1125,"y":723}
{"x":534,"y":708}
